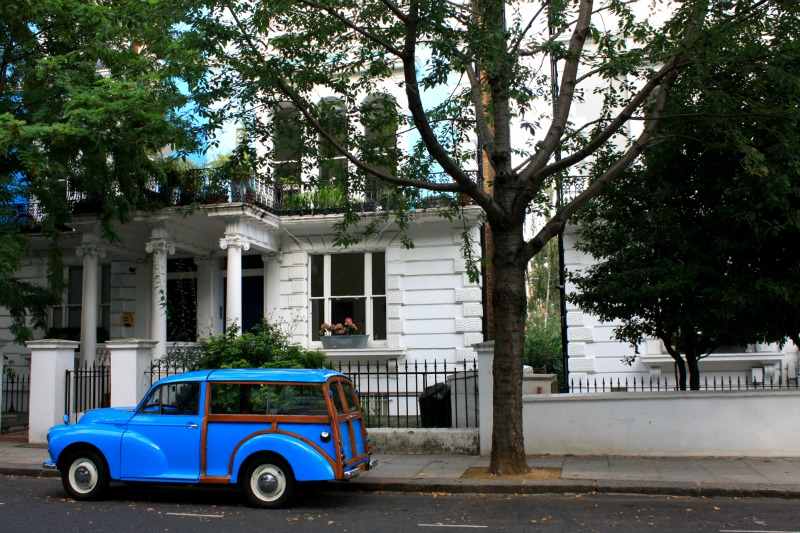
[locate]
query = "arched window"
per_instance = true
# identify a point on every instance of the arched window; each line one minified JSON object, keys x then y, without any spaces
{"x":379,"y":148}
{"x":287,"y":151}
{"x":332,"y":163}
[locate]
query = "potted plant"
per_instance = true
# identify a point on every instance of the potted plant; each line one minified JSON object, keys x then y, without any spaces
{"x":343,"y":335}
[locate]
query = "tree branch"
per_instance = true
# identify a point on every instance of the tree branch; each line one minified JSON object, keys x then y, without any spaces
{"x":358,"y":29}
{"x":394,"y":8}
{"x":437,"y":151}
{"x":559,"y":220}
{"x":566,"y":92}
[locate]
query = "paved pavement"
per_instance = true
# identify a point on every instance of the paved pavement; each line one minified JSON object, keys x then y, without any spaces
{"x":32,"y":505}
{"x":432,"y":473}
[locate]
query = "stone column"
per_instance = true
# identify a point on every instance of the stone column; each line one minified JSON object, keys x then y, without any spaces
{"x":207,"y":290}
{"x":485,"y":352}
{"x":50,"y":359}
{"x":272,"y":286}
{"x":160,"y":247}
{"x":234,"y":244}
{"x":130,"y":362}
{"x":90,"y":252}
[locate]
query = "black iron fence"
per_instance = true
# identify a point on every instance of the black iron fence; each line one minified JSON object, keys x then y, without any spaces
{"x":775,"y":382}
{"x":415,"y":394}
{"x":399,"y":394}
{"x":15,"y":401}
{"x":87,"y":387}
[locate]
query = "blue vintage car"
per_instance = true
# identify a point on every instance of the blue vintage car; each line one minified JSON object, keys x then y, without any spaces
{"x":264,"y":430}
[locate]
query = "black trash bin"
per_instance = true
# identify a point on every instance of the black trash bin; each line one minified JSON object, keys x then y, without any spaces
{"x":434,"y":406}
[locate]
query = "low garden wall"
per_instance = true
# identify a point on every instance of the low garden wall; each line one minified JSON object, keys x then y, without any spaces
{"x":756,"y":424}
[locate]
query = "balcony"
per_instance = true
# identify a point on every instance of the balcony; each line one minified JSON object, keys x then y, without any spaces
{"x":215,"y":186}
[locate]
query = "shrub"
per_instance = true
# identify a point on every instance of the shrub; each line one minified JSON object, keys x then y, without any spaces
{"x":543,"y":346}
{"x":264,"y":346}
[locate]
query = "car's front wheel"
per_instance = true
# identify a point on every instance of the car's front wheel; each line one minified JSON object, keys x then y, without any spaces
{"x":267,"y":482}
{"x":84,"y":475}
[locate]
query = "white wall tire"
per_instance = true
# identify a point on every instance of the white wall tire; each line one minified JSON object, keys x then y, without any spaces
{"x":267,"y":482}
{"x":84,"y":475}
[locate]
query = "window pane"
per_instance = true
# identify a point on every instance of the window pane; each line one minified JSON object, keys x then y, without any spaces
{"x":267,"y":399}
{"x":57,"y":318}
{"x":379,"y":318}
{"x":337,"y":399}
{"x":182,"y":310}
{"x":180,"y":399}
{"x":105,"y":322}
{"x":347,"y":274}
{"x":226,"y":398}
{"x":152,"y":405}
{"x":378,"y":273}
{"x":379,"y":148}
{"x":288,"y":134}
{"x":349,"y":394}
{"x":290,"y":399}
{"x":355,"y":308}
{"x":317,"y":314}
{"x":105,"y":285}
{"x":174,"y":399}
{"x":317,"y":273}
{"x":74,"y":317}
{"x":74,"y":285}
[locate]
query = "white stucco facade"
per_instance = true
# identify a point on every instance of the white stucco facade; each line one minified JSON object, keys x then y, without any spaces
{"x":432,"y":309}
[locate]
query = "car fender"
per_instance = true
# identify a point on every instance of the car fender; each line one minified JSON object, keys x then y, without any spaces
{"x":106,"y":440}
{"x":307,"y":462}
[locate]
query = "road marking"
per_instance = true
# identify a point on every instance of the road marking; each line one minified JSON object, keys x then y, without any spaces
{"x":439,"y":524}
{"x":755,"y":531}
{"x":195,"y":515}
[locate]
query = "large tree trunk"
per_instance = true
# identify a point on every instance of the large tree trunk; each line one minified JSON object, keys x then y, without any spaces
{"x":694,"y":370}
{"x":508,"y":449}
{"x":680,"y":368}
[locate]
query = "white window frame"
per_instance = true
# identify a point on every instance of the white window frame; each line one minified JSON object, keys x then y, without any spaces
{"x":327,"y":297}
{"x":65,"y":306}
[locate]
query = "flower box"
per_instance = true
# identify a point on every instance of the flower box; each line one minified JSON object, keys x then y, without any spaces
{"x":344,"y":342}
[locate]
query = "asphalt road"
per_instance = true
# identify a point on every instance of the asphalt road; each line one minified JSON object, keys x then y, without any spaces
{"x":38,"y":504}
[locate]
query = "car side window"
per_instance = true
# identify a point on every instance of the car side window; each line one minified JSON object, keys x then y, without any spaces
{"x":173,"y":399}
{"x":267,"y":399}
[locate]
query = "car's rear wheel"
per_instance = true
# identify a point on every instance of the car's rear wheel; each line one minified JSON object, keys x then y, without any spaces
{"x":268,"y":482}
{"x":84,"y":475}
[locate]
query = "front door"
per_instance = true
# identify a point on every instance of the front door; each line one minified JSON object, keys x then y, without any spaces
{"x":162,"y":440}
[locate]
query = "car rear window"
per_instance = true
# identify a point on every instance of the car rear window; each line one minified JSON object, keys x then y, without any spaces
{"x":267,"y":399}
{"x":349,"y":395}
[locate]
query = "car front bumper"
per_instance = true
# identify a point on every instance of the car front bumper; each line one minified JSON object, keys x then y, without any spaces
{"x":49,"y":465}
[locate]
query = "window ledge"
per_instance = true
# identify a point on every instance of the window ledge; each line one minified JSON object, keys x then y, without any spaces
{"x":365,"y":354}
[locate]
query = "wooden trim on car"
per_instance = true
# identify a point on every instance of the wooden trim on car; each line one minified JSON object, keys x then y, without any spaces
{"x":337,"y":438}
{"x":269,"y":419}
{"x":212,"y":480}
{"x":204,"y":432}
{"x":348,"y":418}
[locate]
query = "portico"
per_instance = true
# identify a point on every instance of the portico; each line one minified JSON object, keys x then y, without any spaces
{"x":201,"y":253}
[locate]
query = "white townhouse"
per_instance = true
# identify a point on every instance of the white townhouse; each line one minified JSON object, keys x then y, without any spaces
{"x":180,"y":274}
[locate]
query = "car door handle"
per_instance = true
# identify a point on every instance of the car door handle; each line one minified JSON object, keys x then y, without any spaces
{"x":192,"y":425}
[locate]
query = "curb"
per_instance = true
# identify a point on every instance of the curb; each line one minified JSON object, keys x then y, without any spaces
{"x":566,"y":486}
{"x":560,"y":486}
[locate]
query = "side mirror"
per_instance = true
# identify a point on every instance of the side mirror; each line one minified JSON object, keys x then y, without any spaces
{"x":66,"y":419}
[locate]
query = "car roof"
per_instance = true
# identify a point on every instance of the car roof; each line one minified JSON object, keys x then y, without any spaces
{"x":296,"y":375}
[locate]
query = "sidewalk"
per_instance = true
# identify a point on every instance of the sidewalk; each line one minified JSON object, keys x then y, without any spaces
{"x":550,"y":474}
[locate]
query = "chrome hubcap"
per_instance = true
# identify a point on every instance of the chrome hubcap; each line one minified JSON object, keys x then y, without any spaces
{"x":83,"y":475}
{"x":268,"y":482}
